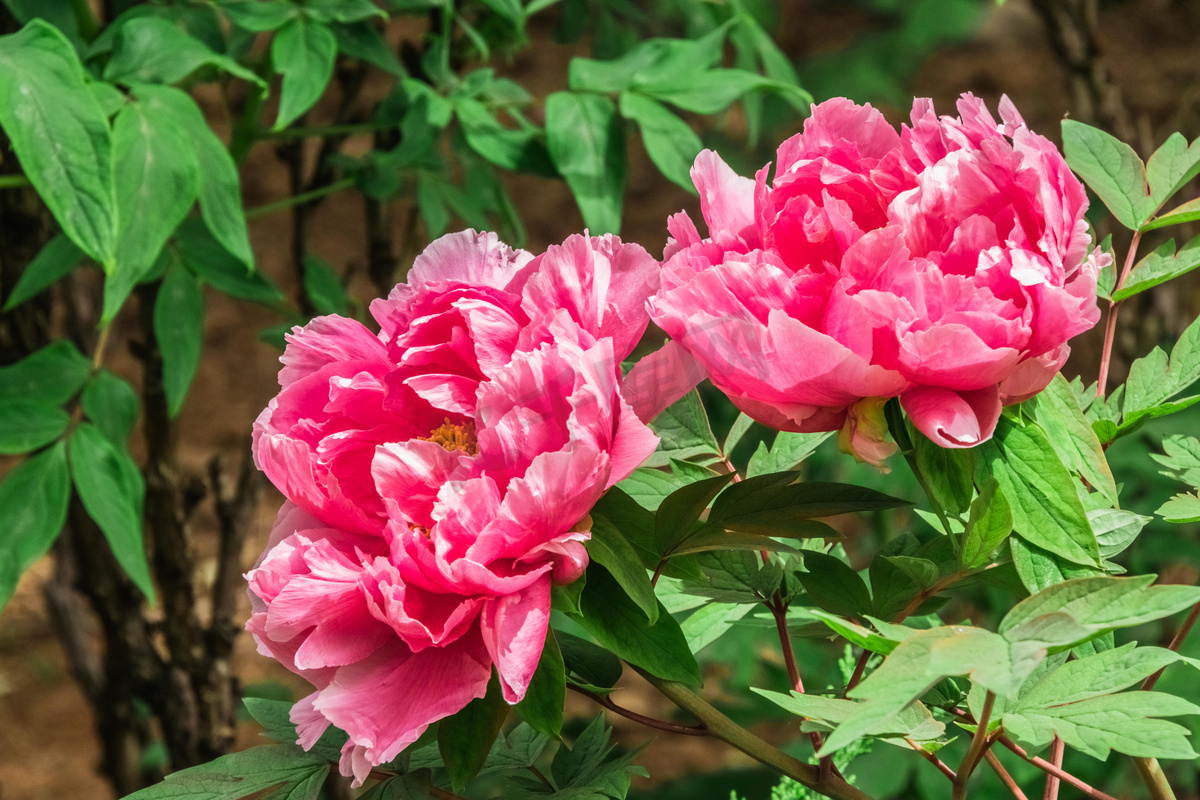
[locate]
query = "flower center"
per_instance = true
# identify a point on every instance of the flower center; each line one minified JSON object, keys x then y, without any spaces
{"x":455,"y":437}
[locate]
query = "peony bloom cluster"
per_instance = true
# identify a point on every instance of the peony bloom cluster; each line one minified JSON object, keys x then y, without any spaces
{"x":945,"y":264}
{"x":438,"y":479}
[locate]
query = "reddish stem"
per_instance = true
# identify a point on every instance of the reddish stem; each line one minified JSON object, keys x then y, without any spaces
{"x":999,"y":769}
{"x":1176,"y":643}
{"x":1058,"y":772}
{"x":1056,"y":758}
{"x":649,"y":722}
{"x":1110,"y":325}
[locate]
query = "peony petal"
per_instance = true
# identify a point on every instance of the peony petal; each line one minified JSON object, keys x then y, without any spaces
{"x":726,"y":198}
{"x":514,"y":631}
{"x":659,"y":379}
{"x":953,"y":419}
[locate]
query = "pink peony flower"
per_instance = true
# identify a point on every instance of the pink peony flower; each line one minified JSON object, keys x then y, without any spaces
{"x":439,"y":477}
{"x":945,"y":264}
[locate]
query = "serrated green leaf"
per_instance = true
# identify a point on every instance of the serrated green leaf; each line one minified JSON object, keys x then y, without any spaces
{"x":1181,"y":458}
{"x":1161,"y":265}
{"x":617,"y":623}
{"x":465,"y":738}
{"x":275,"y":768}
{"x":111,"y":489}
{"x":1111,"y":168}
{"x":1181,"y":508}
{"x":275,"y":717}
{"x":152,"y":49}
{"x":587,"y":144}
{"x":1122,"y":722}
{"x":51,"y":375}
{"x":303,"y":51}
{"x":53,"y":262}
{"x":988,"y":525}
{"x":33,"y":508}
{"x":179,"y":330}
{"x":609,"y":548}
{"x":1040,"y":491}
{"x":60,"y":135}
{"x":1156,"y":378}
{"x":787,"y":452}
{"x":586,"y":770}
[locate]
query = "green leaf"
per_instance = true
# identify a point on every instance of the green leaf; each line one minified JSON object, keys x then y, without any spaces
{"x":1101,"y":604}
{"x":520,"y":150}
{"x":1115,"y":529}
{"x":635,"y":523}
{"x":1057,"y":413}
{"x":58,"y":13}
{"x":60,"y":135}
{"x":153,"y":49}
{"x":1123,"y":722}
{"x":33,"y":508}
{"x":586,"y":769}
{"x":1182,"y":458}
{"x":51,"y":375}
{"x":683,"y":431}
{"x":646,"y":61}
{"x":670,"y":142}
{"x":1160,"y":266}
{"x":364,"y":41}
{"x":857,"y":634}
{"x":1188,"y":212}
{"x":53,"y":262}
{"x":343,"y":10}
{"x":682,"y":508}
{"x":26,"y":425}
{"x":947,"y":472}
{"x":1096,"y":675}
{"x":275,"y":717}
{"x":324,"y":287}
{"x":1039,"y":569}
{"x":259,"y":16}
{"x":587,"y":144}
{"x":222,"y":270}
{"x":711,"y":621}
{"x":736,"y":577}
{"x":179,"y":329}
{"x":834,"y":586}
{"x":520,"y":749}
{"x":303,"y":52}
{"x":914,"y":723}
{"x":220,"y":190}
{"x":593,"y":664}
{"x":110,"y":486}
{"x":989,"y":524}
{"x":787,"y":452}
{"x":1040,"y":491}
{"x":773,"y":505}
{"x":715,"y":90}
{"x":1111,"y":168}
{"x":1181,"y":508}
{"x":612,"y":551}
{"x":619,"y":625}
{"x":113,"y":405}
{"x":1171,"y":166}
{"x":465,"y":738}
{"x":279,"y":772}
{"x":1155,"y":379}
{"x":158,"y":178}
{"x":542,"y":706}
{"x":649,"y":487}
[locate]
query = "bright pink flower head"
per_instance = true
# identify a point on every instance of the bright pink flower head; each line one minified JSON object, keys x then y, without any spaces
{"x":439,"y":478}
{"x":945,"y":264}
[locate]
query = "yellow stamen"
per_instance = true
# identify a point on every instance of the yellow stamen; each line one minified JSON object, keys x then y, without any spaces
{"x":455,"y":437}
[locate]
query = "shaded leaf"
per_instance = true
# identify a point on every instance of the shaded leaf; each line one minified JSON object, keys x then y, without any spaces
{"x":33,"y":508}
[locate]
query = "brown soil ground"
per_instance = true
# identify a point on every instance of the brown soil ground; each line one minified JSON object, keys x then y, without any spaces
{"x":48,"y":749}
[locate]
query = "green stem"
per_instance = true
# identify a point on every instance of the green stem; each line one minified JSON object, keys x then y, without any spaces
{"x":979,"y":744}
{"x":899,"y":431}
{"x":306,"y":197}
{"x":13,"y":182}
{"x":722,"y":727}
{"x":1156,"y":781}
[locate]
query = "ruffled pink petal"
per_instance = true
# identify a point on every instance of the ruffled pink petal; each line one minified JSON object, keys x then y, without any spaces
{"x":514,"y":631}
{"x":324,"y":341}
{"x":1033,"y":376}
{"x":726,"y":198}
{"x":309,"y":722}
